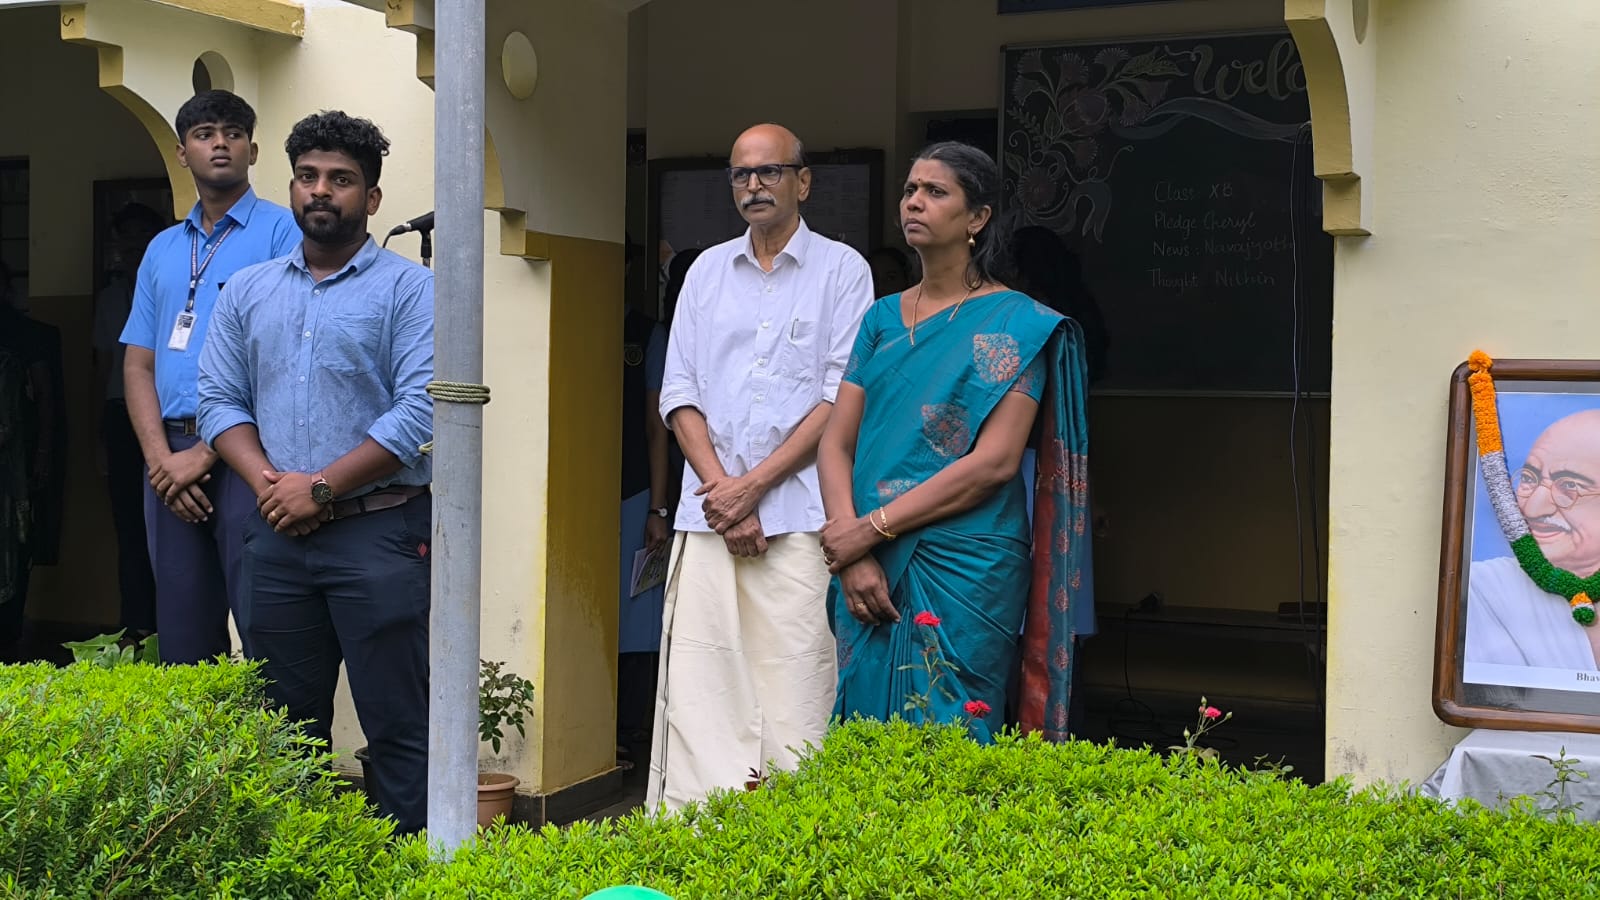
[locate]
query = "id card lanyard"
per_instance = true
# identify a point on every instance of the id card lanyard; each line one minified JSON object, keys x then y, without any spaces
{"x":184,"y":327}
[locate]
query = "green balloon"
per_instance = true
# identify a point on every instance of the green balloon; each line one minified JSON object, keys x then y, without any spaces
{"x":625,"y":892}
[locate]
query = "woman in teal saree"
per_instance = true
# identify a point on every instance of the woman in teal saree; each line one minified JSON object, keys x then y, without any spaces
{"x":928,"y":530}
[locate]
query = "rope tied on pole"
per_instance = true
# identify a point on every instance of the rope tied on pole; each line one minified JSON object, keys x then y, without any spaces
{"x":455,"y":392}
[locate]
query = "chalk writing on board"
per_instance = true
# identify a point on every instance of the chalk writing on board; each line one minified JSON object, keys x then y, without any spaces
{"x":1178,"y":171}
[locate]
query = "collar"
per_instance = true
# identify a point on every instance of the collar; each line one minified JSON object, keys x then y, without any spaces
{"x":799,"y":243}
{"x":362,"y":261}
{"x":239,"y":212}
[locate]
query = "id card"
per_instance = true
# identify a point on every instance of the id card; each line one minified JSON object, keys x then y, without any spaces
{"x":181,"y":330}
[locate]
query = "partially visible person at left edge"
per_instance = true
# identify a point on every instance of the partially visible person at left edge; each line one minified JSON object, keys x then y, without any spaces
{"x":313,"y":388}
{"x":195,"y":506}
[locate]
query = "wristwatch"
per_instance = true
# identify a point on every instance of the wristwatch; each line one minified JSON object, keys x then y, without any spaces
{"x":662,"y":511}
{"x":321,"y":492}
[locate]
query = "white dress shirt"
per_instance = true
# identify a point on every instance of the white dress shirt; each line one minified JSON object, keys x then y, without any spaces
{"x":755,"y":352}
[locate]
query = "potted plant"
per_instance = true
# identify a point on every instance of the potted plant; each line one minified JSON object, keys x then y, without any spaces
{"x":503,"y":699}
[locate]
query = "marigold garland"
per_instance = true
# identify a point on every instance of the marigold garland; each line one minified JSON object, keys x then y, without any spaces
{"x":1502,"y":496}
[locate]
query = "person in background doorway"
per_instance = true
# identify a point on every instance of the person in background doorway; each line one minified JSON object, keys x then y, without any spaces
{"x":24,"y":458}
{"x":313,"y":389}
{"x":927,"y":528}
{"x":891,"y":273}
{"x":652,"y":469}
{"x":759,"y":341}
{"x":195,"y":507}
{"x":132,"y":229}
{"x":1049,"y":272}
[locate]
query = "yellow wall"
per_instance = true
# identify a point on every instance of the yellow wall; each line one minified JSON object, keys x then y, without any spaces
{"x":555,"y":145}
{"x":825,"y":69}
{"x":102,"y":140}
{"x":553,"y":344}
{"x":1484,"y":224}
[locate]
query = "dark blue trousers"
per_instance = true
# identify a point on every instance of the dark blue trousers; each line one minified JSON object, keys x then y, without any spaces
{"x":355,"y":590}
{"x":127,"y":485}
{"x":197,"y":566}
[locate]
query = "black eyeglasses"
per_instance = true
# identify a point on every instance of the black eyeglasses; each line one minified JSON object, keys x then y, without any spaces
{"x":769,"y":175}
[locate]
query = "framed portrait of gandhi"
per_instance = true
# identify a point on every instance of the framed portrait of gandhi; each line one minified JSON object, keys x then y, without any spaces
{"x":1518,"y":641}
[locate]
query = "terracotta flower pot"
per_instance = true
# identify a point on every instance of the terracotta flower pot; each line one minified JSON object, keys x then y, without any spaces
{"x":495,"y":793}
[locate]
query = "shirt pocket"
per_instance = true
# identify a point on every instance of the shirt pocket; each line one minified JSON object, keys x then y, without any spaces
{"x":349,"y":345}
{"x":798,"y":356}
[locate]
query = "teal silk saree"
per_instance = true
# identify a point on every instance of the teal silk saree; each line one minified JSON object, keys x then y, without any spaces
{"x":984,"y":574}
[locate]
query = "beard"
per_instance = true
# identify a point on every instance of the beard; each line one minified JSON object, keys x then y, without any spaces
{"x":342,"y":228}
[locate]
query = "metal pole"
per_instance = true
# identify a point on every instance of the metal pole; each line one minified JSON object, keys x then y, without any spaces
{"x":457,"y":427}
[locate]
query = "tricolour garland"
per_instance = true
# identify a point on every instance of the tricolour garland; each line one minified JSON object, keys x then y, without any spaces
{"x":1503,"y":497}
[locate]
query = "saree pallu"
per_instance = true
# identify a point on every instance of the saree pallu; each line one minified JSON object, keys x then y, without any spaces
{"x":985,"y":573}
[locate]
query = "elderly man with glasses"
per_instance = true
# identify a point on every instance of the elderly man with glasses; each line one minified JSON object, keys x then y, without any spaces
{"x":764,"y":327}
{"x":1510,"y":620}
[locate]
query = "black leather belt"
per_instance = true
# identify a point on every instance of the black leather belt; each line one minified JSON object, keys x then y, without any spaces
{"x":388,"y":498}
{"x":185,"y":427}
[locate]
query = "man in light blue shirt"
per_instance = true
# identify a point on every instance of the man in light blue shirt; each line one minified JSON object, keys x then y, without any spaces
{"x":312,"y":387}
{"x":195,"y":506}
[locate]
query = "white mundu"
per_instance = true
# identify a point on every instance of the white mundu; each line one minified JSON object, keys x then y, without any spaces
{"x":748,"y":666}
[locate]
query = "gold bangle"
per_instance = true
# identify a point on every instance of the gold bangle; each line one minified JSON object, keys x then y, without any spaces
{"x":884,"y":528}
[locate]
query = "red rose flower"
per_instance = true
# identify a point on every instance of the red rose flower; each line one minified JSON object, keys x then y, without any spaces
{"x":928,"y":619}
{"x":977,"y":709}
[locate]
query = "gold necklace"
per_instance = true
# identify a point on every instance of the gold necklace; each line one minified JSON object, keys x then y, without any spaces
{"x":916,"y":306}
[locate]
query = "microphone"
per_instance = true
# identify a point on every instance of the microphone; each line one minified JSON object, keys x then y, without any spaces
{"x":423,"y":222}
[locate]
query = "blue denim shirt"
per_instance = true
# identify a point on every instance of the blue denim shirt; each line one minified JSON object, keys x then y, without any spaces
{"x":319,"y":366}
{"x":260,"y":230}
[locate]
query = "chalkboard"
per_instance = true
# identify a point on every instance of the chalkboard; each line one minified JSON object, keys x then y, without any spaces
{"x":1180,"y":172}
{"x":691,"y":204}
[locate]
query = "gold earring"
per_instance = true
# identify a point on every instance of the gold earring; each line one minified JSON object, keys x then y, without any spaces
{"x":971,"y":241}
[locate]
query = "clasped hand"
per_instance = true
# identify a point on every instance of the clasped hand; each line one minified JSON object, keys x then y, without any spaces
{"x":845,"y":541}
{"x":729,"y":501}
{"x":177,"y":480}
{"x":287,"y":506}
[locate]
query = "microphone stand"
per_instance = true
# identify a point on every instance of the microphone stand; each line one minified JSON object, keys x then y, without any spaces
{"x":427,"y":245}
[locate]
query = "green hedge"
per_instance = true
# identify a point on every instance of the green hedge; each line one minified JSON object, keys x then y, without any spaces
{"x":139,"y":781}
{"x":95,"y":760}
{"x":901,"y":812}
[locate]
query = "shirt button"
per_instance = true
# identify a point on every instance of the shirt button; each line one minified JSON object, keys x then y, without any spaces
{"x":318,"y":292}
{"x":762,"y":361}
{"x":308,"y":334}
{"x":766,"y":324}
{"x":769,"y":288}
{"x":302,"y":379}
{"x":760,"y":397}
{"x":302,"y":423}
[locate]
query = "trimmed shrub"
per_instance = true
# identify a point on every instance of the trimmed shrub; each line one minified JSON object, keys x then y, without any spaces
{"x":140,"y":781}
{"x":896,"y":811}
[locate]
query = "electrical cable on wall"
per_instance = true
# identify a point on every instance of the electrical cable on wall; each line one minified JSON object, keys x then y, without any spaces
{"x":1299,"y":349}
